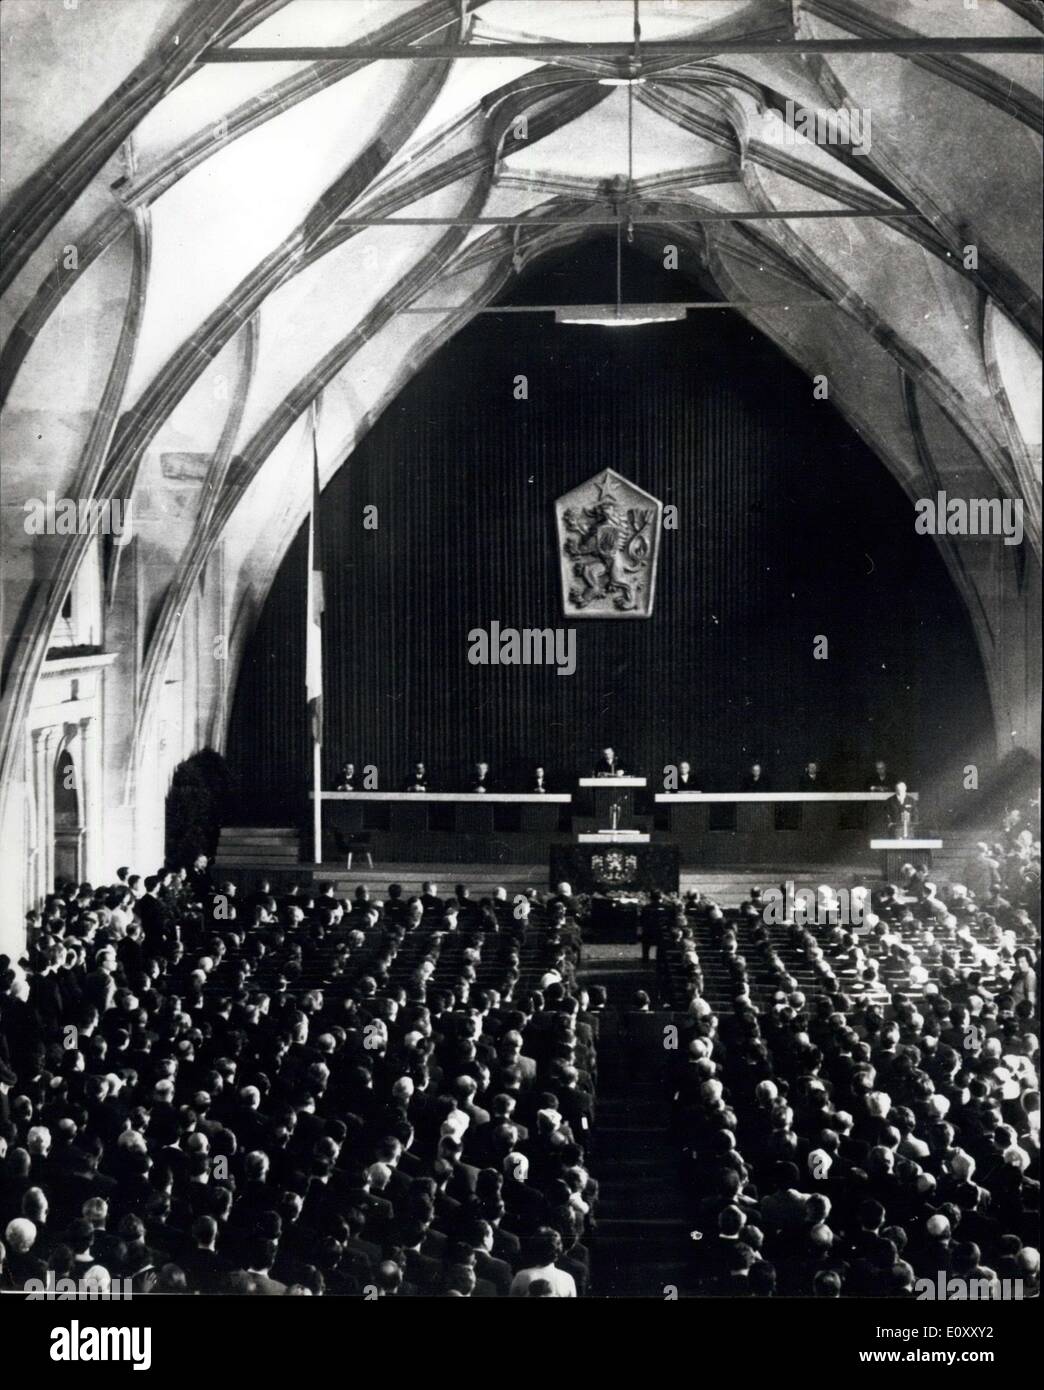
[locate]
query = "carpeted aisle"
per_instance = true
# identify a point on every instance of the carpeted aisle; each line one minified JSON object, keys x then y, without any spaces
{"x":641,"y":1243}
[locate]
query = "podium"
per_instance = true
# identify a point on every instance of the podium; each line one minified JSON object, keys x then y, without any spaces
{"x":606,"y":792}
{"x":601,"y":864}
{"x":896,"y":853}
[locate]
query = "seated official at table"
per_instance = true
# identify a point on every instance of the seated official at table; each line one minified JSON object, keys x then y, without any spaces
{"x":480,"y":780}
{"x":754,"y":780}
{"x":417,"y":780}
{"x":879,"y":781}
{"x":608,"y":765}
{"x":899,"y":806}
{"x":687,"y":780}
{"x":810,"y":779}
{"x":539,"y":780}
{"x":346,"y":778}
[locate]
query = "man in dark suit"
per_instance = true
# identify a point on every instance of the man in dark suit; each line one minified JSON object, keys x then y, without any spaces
{"x":421,"y":1270}
{"x":901,"y":811}
{"x":608,"y":765}
{"x":539,"y":780}
{"x":479,"y":1235}
{"x":359,"y":1256}
{"x":687,"y":780}
{"x":810,"y":779}
{"x":651,"y":923}
{"x":346,"y":778}
{"x":878,"y":781}
{"x":153,"y":917}
{"x":715,"y":1251}
{"x":431,"y":902}
{"x":417,"y":781}
{"x":480,"y":779}
{"x":754,"y":779}
{"x":204,"y":1268}
{"x":200,"y":879}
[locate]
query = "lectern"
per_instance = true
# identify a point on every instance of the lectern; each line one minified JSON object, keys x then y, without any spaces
{"x":607,"y":792}
{"x":895,"y":853}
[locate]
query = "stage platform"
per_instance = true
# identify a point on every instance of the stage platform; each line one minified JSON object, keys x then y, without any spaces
{"x":727,"y":884}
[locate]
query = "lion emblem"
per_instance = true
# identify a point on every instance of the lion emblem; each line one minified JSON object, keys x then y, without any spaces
{"x":609,"y":547}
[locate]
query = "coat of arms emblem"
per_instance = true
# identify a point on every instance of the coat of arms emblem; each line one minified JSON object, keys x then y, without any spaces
{"x":614,"y":869}
{"x":608,"y":545}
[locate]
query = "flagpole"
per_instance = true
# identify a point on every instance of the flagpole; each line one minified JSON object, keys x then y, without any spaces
{"x":317,"y":802}
{"x":317,"y":748}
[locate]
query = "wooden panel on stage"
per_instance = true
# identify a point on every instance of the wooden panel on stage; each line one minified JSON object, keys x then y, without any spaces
{"x":537,"y":817}
{"x":475,"y":818}
{"x":407,"y":816}
{"x":432,"y":827}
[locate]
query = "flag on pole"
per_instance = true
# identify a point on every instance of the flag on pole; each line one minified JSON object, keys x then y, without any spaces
{"x":314,"y":630}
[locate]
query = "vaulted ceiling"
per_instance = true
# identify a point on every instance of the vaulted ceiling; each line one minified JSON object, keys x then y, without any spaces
{"x":208,"y":223}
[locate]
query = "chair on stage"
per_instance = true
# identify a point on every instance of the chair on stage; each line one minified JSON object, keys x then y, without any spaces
{"x":356,"y":842}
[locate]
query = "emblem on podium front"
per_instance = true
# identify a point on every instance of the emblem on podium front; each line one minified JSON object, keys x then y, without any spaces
{"x":608,"y":534}
{"x":614,"y":869}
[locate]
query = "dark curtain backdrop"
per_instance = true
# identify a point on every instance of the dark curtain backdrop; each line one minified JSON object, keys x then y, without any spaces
{"x":789,"y":528}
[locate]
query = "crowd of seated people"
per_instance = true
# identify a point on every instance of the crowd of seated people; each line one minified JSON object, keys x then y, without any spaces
{"x":874,"y":1127}
{"x":209,"y":1092}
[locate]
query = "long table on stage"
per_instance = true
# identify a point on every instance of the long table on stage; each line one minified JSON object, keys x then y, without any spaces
{"x":709,"y":828}
{"x":606,"y":863}
{"x":444,"y":827}
{"x":770,"y":827}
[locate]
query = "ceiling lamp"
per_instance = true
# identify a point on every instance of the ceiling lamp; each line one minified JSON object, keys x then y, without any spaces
{"x":620,"y":315}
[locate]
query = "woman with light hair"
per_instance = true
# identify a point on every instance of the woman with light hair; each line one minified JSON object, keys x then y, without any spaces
{"x":878,"y":1104}
{"x":1015,"y":1157}
{"x":96,"y":1282}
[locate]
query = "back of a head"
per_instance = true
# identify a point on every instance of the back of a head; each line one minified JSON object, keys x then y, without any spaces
{"x":545,"y":1247}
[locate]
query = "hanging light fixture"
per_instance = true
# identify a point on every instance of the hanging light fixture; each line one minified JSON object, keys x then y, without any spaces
{"x":620,"y":315}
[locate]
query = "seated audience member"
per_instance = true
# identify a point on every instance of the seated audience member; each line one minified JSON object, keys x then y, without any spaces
{"x":544,"y":1248}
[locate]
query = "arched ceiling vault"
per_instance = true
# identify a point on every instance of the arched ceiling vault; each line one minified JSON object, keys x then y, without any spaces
{"x":206,"y":244}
